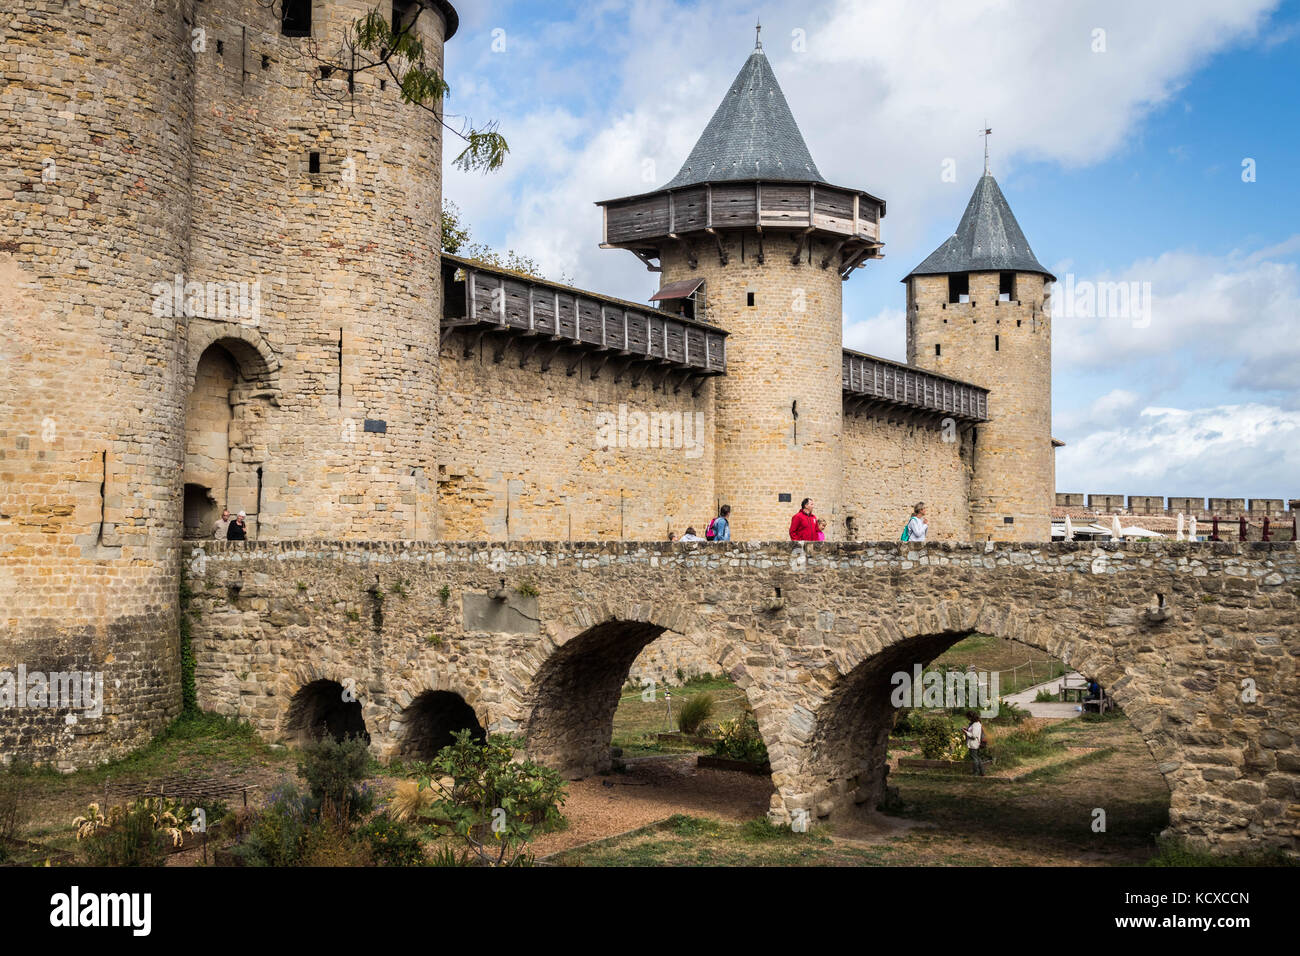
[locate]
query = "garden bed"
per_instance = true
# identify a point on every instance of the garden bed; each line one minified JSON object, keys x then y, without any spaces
{"x":26,"y":853}
{"x":730,"y":763}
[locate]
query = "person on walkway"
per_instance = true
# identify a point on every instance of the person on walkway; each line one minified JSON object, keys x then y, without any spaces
{"x":221,"y":525}
{"x":916,"y":525}
{"x":975,"y":742}
{"x":719,"y":528}
{"x":821,"y":529}
{"x":690,"y":535}
{"x":238,"y":530}
{"x":803,"y":526}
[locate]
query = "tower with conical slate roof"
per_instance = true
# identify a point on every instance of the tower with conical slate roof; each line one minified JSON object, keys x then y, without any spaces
{"x":753,"y":232}
{"x":978,"y":310}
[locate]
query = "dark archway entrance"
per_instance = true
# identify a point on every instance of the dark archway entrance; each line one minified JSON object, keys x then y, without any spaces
{"x":320,"y":709}
{"x":432,"y":719}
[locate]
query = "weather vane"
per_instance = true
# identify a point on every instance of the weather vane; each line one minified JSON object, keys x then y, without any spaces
{"x":986,"y":132}
{"x":758,"y":28}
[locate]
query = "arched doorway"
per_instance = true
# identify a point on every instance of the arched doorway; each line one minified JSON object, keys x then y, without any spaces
{"x":431,"y":720}
{"x":323,"y":708}
{"x":208,"y":416}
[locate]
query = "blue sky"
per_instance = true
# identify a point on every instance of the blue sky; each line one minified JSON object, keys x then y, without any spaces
{"x":1120,"y":152}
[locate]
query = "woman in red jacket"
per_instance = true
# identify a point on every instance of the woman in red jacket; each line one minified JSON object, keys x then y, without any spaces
{"x":803,"y":526}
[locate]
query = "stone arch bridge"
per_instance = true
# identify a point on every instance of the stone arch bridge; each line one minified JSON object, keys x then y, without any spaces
{"x":1197,"y":642}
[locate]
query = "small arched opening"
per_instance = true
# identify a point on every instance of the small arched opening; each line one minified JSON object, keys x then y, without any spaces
{"x":323,"y":709}
{"x":431,"y":720}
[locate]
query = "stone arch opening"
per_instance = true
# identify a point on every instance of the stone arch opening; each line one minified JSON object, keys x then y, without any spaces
{"x":846,"y":758}
{"x":431,"y":720}
{"x":576,"y":692}
{"x":319,"y":709}
{"x":228,"y":403}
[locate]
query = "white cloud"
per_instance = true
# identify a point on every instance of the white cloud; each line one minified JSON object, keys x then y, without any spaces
{"x":883,"y":335}
{"x":1240,"y":311}
{"x":1227,"y":451}
{"x":884,"y":92}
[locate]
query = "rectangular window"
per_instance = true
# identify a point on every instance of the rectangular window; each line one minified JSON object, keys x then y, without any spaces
{"x":313,"y":162}
{"x":997,"y":343}
{"x":936,"y":348}
{"x":959,"y":287}
{"x":749,"y":299}
{"x":1006,"y":286}
{"x":295,"y":18}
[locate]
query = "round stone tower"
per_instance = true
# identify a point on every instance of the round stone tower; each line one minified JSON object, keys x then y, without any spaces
{"x":96,"y":125}
{"x":220,"y":288}
{"x":978,"y":309}
{"x":750,"y":237}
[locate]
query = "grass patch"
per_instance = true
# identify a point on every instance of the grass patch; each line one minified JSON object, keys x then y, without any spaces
{"x":1177,"y":853}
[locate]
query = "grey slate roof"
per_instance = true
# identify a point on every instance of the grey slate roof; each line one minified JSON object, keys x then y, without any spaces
{"x":988,"y":239}
{"x":752,"y":135}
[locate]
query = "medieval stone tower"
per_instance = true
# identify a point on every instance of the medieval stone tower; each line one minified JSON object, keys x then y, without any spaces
{"x":750,"y":229}
{"x":978,"y":307}
{"x":219,"y":268}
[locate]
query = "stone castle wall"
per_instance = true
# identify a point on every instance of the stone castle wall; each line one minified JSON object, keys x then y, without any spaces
{"x":530,"y":444}
{"x":889,"y":467}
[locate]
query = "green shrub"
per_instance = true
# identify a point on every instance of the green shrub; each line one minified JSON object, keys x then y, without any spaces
{"x":391,"y":843}
{"x":447,"y":856}
{"x":335,"y":771}
{"x":277,"y":834}
{"x":1009,"y":713}
{"x":493,"y":802}
{"x":1044,"y":696}
{"x":907,"y":723}
{"x":697,"y":709}
{"x":740,"y":739}
{"x":940,"y":740}
{"x":330,"y":843}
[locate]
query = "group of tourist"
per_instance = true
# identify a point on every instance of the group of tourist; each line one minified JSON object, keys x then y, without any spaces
{"x":226,"y":528}
{"x":804,"y":526}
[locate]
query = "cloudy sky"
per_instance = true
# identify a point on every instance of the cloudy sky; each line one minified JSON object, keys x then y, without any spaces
{"x":1155,"y":143}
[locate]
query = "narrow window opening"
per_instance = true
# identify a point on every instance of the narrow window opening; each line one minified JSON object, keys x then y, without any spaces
{"x":383,"y":85}
{"x":352,"y":81}
{"x":266,"y":62}
{"x":959,"y":288}
{"x":1017,"y":323}
{"x":1006,"y":286}
{"x":221,"y":47}
{"x":997,"y":343}
{"x":749,"y":299}
{"x":936,"y":348}
{"x":313,"y":162}
{"x":295,"y":18}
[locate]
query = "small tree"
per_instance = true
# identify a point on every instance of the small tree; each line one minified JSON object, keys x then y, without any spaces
{"x":497,"y":804}
{"x":335,"y":771}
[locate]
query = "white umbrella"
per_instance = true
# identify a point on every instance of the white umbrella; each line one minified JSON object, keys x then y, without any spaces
{"x":1180,"y":526}
{"x":1191,"y":531}
{"x":1116,"y":532}
{"x":1069,"y":529}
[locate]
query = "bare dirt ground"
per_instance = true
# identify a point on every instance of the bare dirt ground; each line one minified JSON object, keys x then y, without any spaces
{"x":654,"y":789}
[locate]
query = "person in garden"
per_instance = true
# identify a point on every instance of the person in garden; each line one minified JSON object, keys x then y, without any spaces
{"x":975,"y":742}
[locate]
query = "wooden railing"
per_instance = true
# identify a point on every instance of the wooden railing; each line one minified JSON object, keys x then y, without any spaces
{"x":872,"y":381}
{"x":488,"y":298}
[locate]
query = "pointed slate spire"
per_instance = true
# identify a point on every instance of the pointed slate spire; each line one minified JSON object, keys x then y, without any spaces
{"x":752,"y":135}
{"x":988,"y":239}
